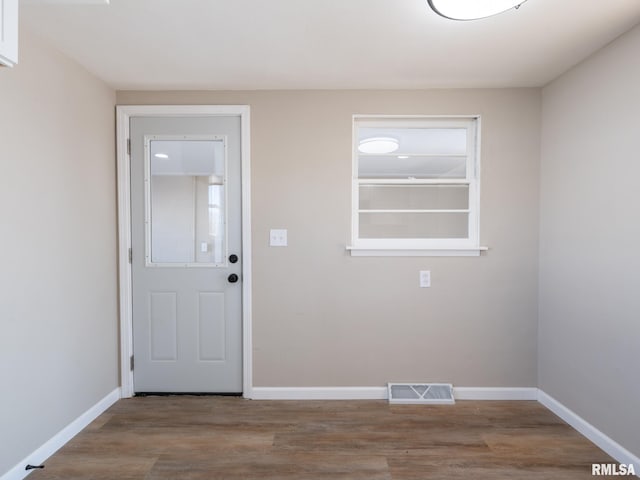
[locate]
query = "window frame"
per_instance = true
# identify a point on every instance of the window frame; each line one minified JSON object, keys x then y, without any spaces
{"x":469,"y":246}
{"x":148,"y":218}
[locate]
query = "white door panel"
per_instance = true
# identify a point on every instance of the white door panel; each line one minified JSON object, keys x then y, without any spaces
{"x":186,"y":222}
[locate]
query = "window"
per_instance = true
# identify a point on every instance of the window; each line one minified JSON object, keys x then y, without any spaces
{"x":185,"y":180}
{"x":416,"y":186}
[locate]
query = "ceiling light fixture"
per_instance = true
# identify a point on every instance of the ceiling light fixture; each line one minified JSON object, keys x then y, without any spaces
{"x":378,"y":145}
{"x":472,"y":9}
{"x":161,"y":155}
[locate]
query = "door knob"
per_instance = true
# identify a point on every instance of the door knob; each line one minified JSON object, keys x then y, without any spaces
{"x":233,"y":278}
{"x":233,"y":258}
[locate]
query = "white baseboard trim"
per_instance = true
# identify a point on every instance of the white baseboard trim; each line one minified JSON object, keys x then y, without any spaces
{"x":495,"y":393}
{"x":62,"y":437}
{"x":380,"y":393}
{"x":610,"y":446}
{"x":319,"y":393}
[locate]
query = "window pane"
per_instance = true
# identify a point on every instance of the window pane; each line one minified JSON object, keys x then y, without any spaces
{"x":414,"y":225}
{"x":414,"y":197}
{"x":412,"y":167}
{"x":187,"y":201}
{"x":431,"y":141}
{"x":421,"y":153}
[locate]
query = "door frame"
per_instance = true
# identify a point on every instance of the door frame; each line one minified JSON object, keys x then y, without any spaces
{"x":123,"y":115}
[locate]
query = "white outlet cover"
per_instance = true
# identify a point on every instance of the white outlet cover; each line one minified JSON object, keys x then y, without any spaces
{"x":425,"y":278}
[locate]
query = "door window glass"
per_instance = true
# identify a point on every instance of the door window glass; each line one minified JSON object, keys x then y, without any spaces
{"x":186,"y":201}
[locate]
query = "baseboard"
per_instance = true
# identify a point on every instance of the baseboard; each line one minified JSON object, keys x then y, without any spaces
{"x":610,"y":446}
{"x":62,"y":437}
{"x":495,"y":393}
{"x":319,"y":393}
{"x":380,"y":393}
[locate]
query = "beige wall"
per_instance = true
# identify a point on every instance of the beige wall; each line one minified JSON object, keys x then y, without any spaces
{"x":589,"y":345}
{"x":58,"y":304}
{"x":323,"y":318}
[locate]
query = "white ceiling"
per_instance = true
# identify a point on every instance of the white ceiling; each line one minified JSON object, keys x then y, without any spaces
{"x":309,"y":44}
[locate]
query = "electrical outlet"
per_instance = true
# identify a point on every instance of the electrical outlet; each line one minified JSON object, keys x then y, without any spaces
{"x":425,"y":278}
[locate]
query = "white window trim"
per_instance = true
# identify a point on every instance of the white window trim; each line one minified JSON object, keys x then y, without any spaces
{"x":419,"y":247}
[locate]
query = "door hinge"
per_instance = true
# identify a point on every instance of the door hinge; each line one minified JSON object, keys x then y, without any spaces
{"x":131,"y":363}
{"x":128,"y":146}
{"x":130,"y":255}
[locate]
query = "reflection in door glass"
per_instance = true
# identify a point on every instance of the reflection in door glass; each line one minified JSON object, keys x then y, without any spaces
{"x":216,"y":226}
{"x":187,"y":201}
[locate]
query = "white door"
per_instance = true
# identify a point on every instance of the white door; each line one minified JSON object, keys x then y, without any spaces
{"x":186,"y":254}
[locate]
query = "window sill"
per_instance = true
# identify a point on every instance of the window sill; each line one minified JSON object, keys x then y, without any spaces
{"x":418,"y":252}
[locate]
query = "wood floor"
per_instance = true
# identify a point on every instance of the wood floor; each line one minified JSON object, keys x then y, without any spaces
{"x":187,"y":437}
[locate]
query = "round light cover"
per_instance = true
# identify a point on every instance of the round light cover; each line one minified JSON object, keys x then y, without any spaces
{"x":378,"y":145}
{"x":472,"y":9}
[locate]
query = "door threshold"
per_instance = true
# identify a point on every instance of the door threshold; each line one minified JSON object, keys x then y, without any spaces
{"x":184,"y":394}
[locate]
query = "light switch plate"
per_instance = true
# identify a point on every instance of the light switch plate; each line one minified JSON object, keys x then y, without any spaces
{"x":425,"y":278}
{"x":278,"y":238}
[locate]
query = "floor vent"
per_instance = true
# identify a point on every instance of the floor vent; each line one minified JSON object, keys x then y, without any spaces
{"x":421,"y":393}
